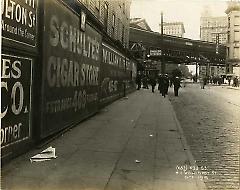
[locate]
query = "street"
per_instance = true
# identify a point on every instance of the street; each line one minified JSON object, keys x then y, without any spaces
{"x":210,"y":120}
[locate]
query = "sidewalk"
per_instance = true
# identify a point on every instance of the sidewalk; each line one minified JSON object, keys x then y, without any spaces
{"x":101,"y":153}
{"x":234,"y":88}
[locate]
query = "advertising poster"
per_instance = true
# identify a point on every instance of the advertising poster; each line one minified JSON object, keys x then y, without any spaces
{"x":71,"y":68}
{"x":16,"y":81}
{"x":19,"y":20}
{"x":113,"y":73}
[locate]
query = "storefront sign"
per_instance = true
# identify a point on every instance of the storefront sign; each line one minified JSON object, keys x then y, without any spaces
{"x":115,"y":69}
{"x":16,"y":78}
{"x":19,"y":19}
{"x":71,"y":68}
{"x":113,"y":57}
{"x":156,"y":52}
{"x":83,"y":21}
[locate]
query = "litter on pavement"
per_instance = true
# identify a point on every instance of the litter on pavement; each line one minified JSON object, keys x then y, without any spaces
{"x":151,"y":135}
{"x":47,"y":154}
{"x":137,"y":161}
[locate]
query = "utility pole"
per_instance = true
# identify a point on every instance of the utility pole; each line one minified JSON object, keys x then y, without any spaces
{"x":162,"y":60}
{"x":196,"y":71}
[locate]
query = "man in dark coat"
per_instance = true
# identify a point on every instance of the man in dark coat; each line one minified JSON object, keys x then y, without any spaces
{"x":145,"y":82}
{"x":166,"y":84}
{"x":160,"y":83}
{"x":138,"y":80}
{"x":152,"y":82}
{"x":163,"y":84}
{"x":177,"y":85}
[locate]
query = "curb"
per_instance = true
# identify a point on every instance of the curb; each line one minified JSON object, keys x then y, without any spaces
{"x":200,"y":184}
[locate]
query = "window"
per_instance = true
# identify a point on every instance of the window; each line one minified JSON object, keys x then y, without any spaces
{"x":229,"y":22}
{"x":123,"y":33}
{"x":236,"y":52}
{"x":85,"y":2}
{"x":123,"y":8}
{"x":236,"y":20}
{"x":113,"y":24}
{"x":236,"y":36}
{"x":113,"y":20}
{"x":98,"y":4}
{"x":119,"y":28}
{"x":105,"y":14}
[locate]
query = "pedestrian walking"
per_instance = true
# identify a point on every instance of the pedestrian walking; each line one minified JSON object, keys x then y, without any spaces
{"x":138,"y":80}
{"x":165,"y":85}
{"x":160,"y":83}
{"x":204,"y":81}
{"x":201,"y":82}
{"x":177,"y":85}
{"x":229,"y":81}
{"x":145,"y":82}
{"x":152,"y":81}
{"x":236,"y":82}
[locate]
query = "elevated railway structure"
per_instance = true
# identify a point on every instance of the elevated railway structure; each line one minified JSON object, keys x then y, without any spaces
{"x":152,"y":46}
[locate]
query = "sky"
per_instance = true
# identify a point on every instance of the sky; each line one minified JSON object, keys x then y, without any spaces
{"x":186,"y":11}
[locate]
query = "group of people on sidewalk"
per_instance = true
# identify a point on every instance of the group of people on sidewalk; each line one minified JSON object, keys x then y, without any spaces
{"x":235,"y":82}
{"x":162,"y":80}
{"x":205,"y":80}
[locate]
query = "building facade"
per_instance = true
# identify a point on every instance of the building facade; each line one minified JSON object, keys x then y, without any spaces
{"x":173,"y":28}
{"x":114,"y":15}
{"x":213,"y":29}
{"x":233,"y":44}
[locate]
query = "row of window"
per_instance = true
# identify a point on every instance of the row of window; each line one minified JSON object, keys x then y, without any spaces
{"x":113,"y":15}
{"x":236,"y":37}
{"x":236,"y":52}
{"x":118,"y":30}
{"x":236,"y":21}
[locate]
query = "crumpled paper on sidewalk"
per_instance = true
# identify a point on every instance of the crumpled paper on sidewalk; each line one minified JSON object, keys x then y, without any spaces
{"x":47,"y":154}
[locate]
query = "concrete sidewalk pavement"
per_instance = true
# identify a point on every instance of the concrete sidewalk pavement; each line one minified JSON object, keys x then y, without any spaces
{"x":132,"y":144}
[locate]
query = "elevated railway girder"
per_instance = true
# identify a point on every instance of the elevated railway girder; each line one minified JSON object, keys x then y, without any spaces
{"x":176,"y":50}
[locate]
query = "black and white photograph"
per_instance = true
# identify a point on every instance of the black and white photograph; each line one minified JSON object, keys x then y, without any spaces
{"x":120,"y":95}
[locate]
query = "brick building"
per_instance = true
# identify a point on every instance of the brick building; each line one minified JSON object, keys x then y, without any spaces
{"x":233,"y":45}
{"x":213,"y":29}
{"x":173,"y":29}
{"x":114,"y":15}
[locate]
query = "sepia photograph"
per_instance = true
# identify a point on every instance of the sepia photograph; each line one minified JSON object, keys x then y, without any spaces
{"x":120,"y":95}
